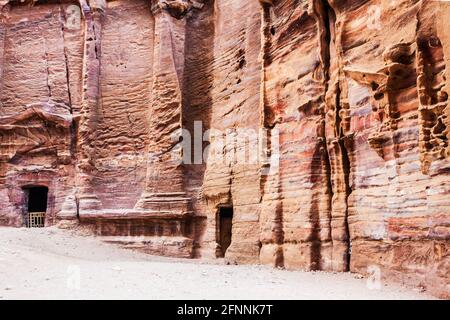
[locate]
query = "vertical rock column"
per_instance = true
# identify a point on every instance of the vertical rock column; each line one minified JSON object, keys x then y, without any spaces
{"x":4,"y":157}
{"x":164,"y":188}
{"x":337,"y":135}
{"x":87,"y":200}
{"x":271,"y":218}
{"x":4,"y":8}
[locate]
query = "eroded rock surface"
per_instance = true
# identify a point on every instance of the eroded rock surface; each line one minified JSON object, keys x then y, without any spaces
{"x":353,"y":173}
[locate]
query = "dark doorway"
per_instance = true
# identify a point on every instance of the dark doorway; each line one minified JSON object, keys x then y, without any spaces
{"x":37,"y":206}
{"x":37,"y":199}
{"x":225,"y":228}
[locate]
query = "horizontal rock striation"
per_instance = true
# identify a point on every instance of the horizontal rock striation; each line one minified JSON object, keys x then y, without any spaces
{"x":304,"y":134}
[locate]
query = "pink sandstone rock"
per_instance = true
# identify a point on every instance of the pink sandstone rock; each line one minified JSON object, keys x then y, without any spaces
{"x":352,"y":96}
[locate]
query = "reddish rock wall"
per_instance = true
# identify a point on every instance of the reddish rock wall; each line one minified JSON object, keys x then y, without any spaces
{"x":125,"y":91}
{"x":344,"y":104}
{"x":385,"y":128}
{"x":40,"y":75}
{"x":235,"y":94}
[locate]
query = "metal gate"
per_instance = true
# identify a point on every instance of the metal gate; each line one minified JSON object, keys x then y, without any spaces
{"x":36,"y":219}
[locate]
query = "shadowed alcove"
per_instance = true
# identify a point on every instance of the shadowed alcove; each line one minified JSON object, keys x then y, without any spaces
{"x":36,"y":204}
{"x":224,"y":228}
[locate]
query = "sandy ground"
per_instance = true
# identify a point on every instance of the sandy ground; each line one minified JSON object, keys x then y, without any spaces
{"x":58,"y":264}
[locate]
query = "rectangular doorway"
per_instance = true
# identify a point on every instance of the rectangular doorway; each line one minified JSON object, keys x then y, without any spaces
{"x":36,"y":206}
{"x":225,"y":228}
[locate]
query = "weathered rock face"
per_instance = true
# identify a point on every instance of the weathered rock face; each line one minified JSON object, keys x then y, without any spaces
{"x":314,"y":132}
{"x":387,"y":136}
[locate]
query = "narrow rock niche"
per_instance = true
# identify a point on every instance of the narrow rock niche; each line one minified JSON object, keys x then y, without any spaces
{"x":224,"y":229}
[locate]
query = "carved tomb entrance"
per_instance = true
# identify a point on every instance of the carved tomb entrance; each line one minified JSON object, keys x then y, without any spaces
{"x":224,"y":228}
{"x":36,"y":204}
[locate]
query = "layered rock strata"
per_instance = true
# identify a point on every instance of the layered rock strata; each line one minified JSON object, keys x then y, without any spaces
{"x":305,"y":134}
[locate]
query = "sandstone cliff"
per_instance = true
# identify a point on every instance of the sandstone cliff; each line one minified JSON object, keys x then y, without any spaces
{"x":351,"y":97}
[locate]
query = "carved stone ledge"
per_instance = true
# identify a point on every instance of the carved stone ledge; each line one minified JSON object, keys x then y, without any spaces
{"x":45,"y":111}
